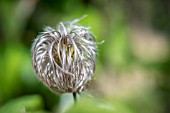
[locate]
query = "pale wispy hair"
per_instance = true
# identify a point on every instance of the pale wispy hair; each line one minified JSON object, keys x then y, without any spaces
{"x":64,"y":58}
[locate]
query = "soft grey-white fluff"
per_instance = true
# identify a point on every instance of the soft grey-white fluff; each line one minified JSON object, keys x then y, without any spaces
{"x":64,"y":58}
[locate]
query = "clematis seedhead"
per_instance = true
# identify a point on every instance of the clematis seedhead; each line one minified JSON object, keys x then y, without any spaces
{"x":64,"y":58}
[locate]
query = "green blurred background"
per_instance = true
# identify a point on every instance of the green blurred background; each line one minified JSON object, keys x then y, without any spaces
{"x":133,"y":67}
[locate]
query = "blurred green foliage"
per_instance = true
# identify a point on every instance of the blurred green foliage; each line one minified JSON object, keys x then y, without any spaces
{"x":23,"y":104}
{"x":92,"y":105}
{"x":112,"y":21}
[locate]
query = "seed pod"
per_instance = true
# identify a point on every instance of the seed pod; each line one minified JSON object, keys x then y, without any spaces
{"x":64,"y":58}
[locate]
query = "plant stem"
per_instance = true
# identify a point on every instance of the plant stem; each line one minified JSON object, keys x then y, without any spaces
{"x":75,"y":97}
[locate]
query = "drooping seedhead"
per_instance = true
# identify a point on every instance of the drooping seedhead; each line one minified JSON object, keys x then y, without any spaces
{"x":64,"y":58}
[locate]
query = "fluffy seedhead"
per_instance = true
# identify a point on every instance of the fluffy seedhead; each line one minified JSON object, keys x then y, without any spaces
{"x":64,"y":58}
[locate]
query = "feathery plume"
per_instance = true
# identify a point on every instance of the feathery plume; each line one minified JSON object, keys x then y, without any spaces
{"x":64,"y":58}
